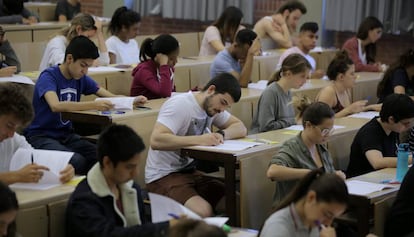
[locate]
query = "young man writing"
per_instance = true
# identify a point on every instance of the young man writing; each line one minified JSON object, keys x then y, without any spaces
{"x":184,"y":120}
{"x":59,"y":89}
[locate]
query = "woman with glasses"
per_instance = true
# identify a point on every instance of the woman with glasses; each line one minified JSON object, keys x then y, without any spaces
{"x":341,"y":71}
{"x":275,"y":109}
{"x":305,"y":152}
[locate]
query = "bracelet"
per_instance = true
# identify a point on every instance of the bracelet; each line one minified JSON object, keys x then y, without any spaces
{"x":221,"y":132}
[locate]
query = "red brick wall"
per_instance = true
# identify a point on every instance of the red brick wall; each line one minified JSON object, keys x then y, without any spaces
{"x":265,"y":8}
{"x":94,"y":7}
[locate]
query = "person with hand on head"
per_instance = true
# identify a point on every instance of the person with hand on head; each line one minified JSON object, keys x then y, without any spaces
{"x":375,"y":144}
{"x":153,"y":77}
{"x":305,"y":152}
{"x":238,"y":58}
{"x":341,"y":71}
{"x":66,"y":10}
{"x":59,"y":89}
{"x":362,"y":48}
{"x":309,"y":208}
{"x":82,"y":24}
{"x":14,"y":12}
{"x":122,"y":46}
{"x":275,"y":109}
{"x":9,"y":207}
{"x":15,"y":112}
{"x":10,"y":63}
{"x":277,"y":31}
{"x":184,"y":120}
{"x":222,"y":32}
{"x":308,"y":35}
{"x":399,"y":77}
{"x":108,"y":202}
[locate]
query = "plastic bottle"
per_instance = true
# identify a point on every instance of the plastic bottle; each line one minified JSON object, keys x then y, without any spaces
{"x":402,"y":161}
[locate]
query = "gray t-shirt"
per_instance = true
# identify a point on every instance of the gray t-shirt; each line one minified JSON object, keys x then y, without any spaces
{"x":286,"y":222}
{"x":295,"y":154}
{"x":184,"y":117}
{"x":274,"y":110}
{"x":224,"y":62}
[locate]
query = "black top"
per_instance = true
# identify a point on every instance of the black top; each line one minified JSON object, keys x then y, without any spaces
{"x":371,"y":136}
{"x":65,"y":8}
{"x":398,"y":78}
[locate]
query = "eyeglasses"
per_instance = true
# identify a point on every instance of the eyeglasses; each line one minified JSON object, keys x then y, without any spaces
{"x":326,"y":131}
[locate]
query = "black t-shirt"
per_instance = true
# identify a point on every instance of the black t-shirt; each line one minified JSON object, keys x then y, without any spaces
{"x":371,"y":136}
{"x":399,"y":78}
{"x":65,"y":8}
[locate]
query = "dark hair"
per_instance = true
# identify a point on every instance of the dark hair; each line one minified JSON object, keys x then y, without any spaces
{"x":399,"y":106}
{"x":366,"y":25}
{"x":195,"y":228}
{"x":123,"y":17}
{"x":8,"y":202}
{"x":228,"y":23}
{"x":120,"y":143}
{"x":328,"y":187}
{"x":309,"y":26}
{"x":225,"y":83}
{"x":164,"y":44}
{"x":81,"y":47}
{"x":291,"y":6}
{"x":295,"y":63}
{"x":14,"y":102}
{"x":245,"y":36}
{"x":316,"y":112}
{"x":85,"y":21}
{"x":404,"y":61}
{"x":340,"y":64}
{"x":14,"y":7}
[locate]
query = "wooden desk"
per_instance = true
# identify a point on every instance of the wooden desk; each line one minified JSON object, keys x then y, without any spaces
{"x":45,"y":10}
{"x":25,"y":33}
{"x":366,"y":86}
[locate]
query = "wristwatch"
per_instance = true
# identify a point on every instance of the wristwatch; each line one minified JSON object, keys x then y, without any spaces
{"x":221,"y":132}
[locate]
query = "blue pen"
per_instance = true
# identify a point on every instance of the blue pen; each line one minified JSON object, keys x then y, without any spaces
{"x":174,"y":215}
{"x":368,"y":97}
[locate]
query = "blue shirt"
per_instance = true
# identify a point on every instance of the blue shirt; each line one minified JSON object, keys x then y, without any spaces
{"x":224,"y":62}
{"x":46,"y":122}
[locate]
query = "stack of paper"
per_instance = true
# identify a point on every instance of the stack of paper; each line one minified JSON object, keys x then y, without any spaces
{"x":260,"y":85}
{"x":120,"y":103}
{"x":300,"y":127}
{"x":56,"y":161}
{"x":363,"y":188}
{"x":365,"y":115}
{"x":233,"y":145}
{"x":17,"y":78}
{"x":162,"y":207}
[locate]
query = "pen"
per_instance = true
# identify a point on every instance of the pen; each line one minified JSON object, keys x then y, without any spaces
{"x":320,"y":225}
{"x":32,"y":159}
{"x":208,"y":130}
{"x":174,"y":215}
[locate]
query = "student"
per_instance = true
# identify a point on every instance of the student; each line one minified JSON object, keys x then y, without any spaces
{"x":184,"y":120}
{"x":341,"y":71}
{"x":15,"y":112}
{"x":238,"y":58}
{"x":9,"y":63}
{"x":8,"y":211}
{"x":274,"y":109}
{"x":108,"y":202}
{"x":14,"y":12}
{"x":305,"y":152}
{"x":310,"y":208}
{"x":276,"y":31}
{"x":153,"y":77}
{"x":67,"y":10}
{"x":82,"y":24}
{"x":222,"y":32}
{"x":375,"y":145}
{"x":122,"y":46}
{"x":59,"y":89}
{"x":401,"y":214}
{"x":195,"y":228}
{"x":308,"y":35}
{"x":362,"y":48}
{"x":399,"y":77}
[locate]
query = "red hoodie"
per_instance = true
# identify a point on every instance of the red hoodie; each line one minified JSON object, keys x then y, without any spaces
{"x":151,"y":81}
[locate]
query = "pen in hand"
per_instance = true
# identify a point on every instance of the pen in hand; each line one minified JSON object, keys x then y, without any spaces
{"x":32,"y":159}
{"x":174,"y":215}
{"x":207,"y":130}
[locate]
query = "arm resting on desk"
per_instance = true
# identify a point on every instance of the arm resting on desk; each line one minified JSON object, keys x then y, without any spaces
{"x":377,"y":161}
{"x":282,"y":173}
{"x":234,"y":128}
{"x":67,"y":106}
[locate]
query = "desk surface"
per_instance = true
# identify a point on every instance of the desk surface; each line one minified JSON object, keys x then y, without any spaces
{"x":32,"y":198}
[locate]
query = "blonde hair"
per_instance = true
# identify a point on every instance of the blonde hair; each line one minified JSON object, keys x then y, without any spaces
{"x":300,"y":103}
{"x":85,"y":21}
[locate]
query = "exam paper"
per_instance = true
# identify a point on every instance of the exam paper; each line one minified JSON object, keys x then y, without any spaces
{"x":17,"y":78}
{"x":363,"y":188}
{"x":120,"y":103}
{"x":105,"y":69}
{"x":233,"y":145}
{"x":367,"y":115}
{"x":300,"y":127}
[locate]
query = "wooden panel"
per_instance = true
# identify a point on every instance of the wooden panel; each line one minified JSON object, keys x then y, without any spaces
{"x":323,"y":58}
{"x":32,"y":222}
{"x":141,"y":38}
{"x":56,"y":212}
{"x":19,"y":36}
{"x":119,"y":83}
{"x":182,"y":79}
{"x":44,"y":35}
{"x":255,"y":76}
{"x":101,"y":80}
{"x":188,"y":43}
{"x":267,"y":65}
{"x":29,"y":54}
{"x":199,"y":75}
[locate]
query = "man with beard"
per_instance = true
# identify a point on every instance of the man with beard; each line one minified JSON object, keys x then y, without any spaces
{"x":185,"y":120}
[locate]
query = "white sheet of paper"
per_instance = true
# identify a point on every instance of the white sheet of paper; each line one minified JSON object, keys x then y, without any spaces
{"x":17,"y":78}
{"x":105,"y":69}
{"x":366,"y":115}
{"x":161,"y":206}
{"x":54,"y":160}
{"x":300,"y":127}
{"x":358,"y":187}
{"x":260,"y":85}
{"x":233,"y":145}
{"x":120,"y":103}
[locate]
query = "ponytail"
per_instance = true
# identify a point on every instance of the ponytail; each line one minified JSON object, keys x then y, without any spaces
{"x":122,"y":17}
{"x":165,"y":44}
{"x":300,"y":104}
{"x":340,"y":64}
{"x":146,"y":50}
{"x":275,"y":77}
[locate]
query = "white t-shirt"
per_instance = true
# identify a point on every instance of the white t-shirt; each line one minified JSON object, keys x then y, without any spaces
{"x":293,"y":50}
{"x":126,"y":53}
{"x":184,"y":117}
{"x":7,"y":149}
{"x":55,"y":53}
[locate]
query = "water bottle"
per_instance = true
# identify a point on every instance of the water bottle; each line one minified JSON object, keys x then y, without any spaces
{"x":402,"y":161}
